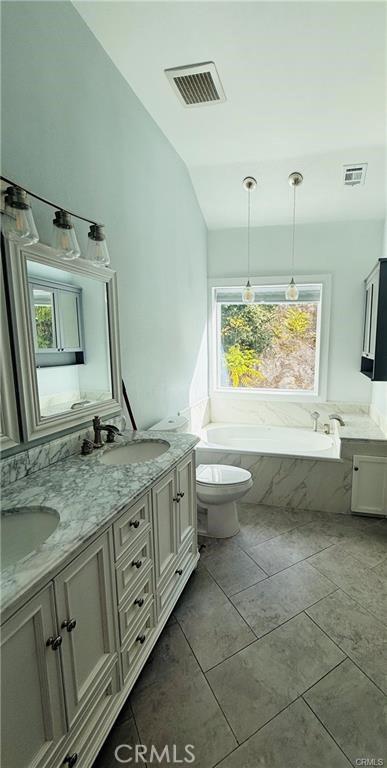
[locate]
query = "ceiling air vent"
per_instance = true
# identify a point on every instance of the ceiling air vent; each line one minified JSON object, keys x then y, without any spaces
{"x":196,"y":84}
{"x":355,"y":174}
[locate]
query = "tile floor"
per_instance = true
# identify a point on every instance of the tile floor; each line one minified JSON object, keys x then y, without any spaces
{"x":276,"y":654}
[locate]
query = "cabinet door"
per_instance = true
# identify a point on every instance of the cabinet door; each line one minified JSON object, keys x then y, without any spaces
{"x":85,"y":614}
{"x":32,"y":706}
{"x":69,"y":313}
{"x":186,"y":493}
{"x":369,"y":485}
{"x":164,"y":525}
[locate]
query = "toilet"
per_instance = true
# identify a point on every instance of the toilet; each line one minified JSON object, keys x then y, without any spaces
{"x":218,"y":488}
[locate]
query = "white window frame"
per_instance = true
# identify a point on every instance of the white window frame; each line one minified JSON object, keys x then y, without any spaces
{"x":322,"y":342}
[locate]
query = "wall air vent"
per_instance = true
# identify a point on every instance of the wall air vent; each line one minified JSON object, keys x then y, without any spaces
{"x":196,"y":84}
{"x":355,"y":174}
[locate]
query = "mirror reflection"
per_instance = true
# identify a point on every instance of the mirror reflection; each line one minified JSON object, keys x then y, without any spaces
{"x":69,"y":318}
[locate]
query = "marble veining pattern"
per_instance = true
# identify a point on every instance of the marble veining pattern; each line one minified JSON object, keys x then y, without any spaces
{"x":87,"y":495}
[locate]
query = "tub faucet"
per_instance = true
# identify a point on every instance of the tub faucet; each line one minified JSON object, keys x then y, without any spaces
{"x":315,"y":417}
{"x":336,"y":417}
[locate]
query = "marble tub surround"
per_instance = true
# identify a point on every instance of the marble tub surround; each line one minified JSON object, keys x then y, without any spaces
{"x":38,"y":457}
{"x":87,"y":495}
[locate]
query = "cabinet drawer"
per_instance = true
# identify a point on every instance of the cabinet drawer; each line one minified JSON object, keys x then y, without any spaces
{"x":185,"y":563}
{"x":137,"y":644}
{"x":136,"y":605}
{"x":130,"y":570}
{"x":130,"y":525}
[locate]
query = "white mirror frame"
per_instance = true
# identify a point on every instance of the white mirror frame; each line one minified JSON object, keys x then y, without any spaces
{"x":34,"y":426}
{"x":10,"y":435}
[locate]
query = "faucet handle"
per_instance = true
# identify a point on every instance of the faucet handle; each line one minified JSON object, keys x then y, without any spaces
{"x":315,"y":415}
{"x":87,"y":447}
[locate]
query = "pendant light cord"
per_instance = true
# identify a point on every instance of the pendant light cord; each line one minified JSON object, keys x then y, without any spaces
{"x":294,"y":227}
{"x":248,"y":233}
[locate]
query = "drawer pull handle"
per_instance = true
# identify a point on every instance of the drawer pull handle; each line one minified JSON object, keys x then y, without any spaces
{"x":69,"y":624}
{"x":71,"y":759}
{"x":139,"y":602}
{"x":55,"y":642}
{"x":181,"y":494}
{"x":177,"y":499}
{"x":356,"y":469}
{"x":134,"y":523}
{"x":179,"y":571}
{"x":137,"y":563}
{"x":140,"y":639}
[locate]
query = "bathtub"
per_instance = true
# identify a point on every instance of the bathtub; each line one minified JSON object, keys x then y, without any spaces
{"x":269,"y":441}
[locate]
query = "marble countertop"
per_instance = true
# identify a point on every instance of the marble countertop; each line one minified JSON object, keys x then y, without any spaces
{"x":360,"y":427}
{"x":88,"y":495}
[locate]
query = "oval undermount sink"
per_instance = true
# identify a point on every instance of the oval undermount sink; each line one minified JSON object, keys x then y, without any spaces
{"x":136,"y":452}
{"x":24,"y":529}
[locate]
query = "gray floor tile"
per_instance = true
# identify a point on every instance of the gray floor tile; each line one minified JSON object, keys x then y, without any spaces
{"x":359,"y":581}
{"x":381,"y":569}
{"x":368,"y":546}
{"x":354,"y":712}
{"x":293,"y":739}
{"x":361,"y":636}
{"x":173,"y":703}
{"x":256,"y":683}
{"x":231,"y":567}
{"x":259,"y":523}
{"x":289,"y":548}
{"x":211,"y":624}
{"x":124,"y":733}
{"x":275,"y":600}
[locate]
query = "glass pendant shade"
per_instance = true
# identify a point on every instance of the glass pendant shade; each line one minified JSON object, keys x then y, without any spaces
{"x":63,"y":237}
{"x":292,"y":291}
{"x":248,"y":293}
{"x":97,"y":250}
{"x":19,"y":224}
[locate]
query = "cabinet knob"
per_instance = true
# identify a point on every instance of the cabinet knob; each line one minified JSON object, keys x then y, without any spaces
{"x":356,"y":469}
{"x":137,"y":563}
{"x":140,"y":639}
{"x":181,"y":494}
{"x":69,"y":624}
{"x":70,"y":760}
{"x":139,"y":601}
{"x":177,"y":499}
{"x":55,"y":642}
{"x":179,"y":571}
{"x":134,"y":523}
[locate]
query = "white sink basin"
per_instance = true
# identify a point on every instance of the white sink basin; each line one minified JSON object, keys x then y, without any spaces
{"x":23,"y":529}
{"x":136,"y":452}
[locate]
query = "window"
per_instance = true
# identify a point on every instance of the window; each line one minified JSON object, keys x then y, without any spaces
{"x":271,"y":345}
{"x":56,"y":310}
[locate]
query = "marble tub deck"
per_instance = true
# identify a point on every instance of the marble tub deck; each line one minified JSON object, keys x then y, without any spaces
{"x":276,"y":654}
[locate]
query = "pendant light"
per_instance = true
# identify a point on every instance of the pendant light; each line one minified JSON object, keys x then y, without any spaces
{"x":64,"y":239}
{"x":19,"y":225}
{"x":249,"y":184}
{"x":295,"y":179}
{"x":97,"y":251}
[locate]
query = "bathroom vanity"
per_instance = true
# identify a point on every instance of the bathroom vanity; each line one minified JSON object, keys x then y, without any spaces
{"x":82,"y":613}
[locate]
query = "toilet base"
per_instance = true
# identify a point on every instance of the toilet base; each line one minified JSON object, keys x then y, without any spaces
{"x":222,"y":520}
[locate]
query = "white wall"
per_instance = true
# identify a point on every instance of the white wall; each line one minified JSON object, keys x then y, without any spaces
{"x":379,"y":388}
{"x":346,"y":250}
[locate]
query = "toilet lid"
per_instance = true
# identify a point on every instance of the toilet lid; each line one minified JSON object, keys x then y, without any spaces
{"x":221,"y":474}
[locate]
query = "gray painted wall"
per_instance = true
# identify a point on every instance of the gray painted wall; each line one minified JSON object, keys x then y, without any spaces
{"x":74,"y":131}
{"x":346,"y":250}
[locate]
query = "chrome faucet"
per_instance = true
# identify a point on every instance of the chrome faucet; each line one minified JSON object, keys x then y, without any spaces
{"x":315,"y":417}
{"x":336,"y":417}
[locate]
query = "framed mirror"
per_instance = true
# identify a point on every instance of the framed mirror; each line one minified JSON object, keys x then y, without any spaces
{"x":9,"y":422}
{"x":64,"y":316}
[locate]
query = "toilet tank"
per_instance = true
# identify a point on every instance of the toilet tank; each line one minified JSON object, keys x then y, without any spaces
{"x":171,"y":424}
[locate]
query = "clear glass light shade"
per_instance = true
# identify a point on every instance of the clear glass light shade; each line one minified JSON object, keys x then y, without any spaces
{"x":291,"y":292}
{"x":97,"y":252}
{"x":65,"y":243}
{"x":19,"y":225}
{"x":248,"y":293}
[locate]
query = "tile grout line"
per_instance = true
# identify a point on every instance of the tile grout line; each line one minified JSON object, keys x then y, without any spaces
{"x":326,"y":730}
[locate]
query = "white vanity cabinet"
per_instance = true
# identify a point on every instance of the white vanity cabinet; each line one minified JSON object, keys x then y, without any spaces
{"x":71,"y":655}
{"x":369,"y":485}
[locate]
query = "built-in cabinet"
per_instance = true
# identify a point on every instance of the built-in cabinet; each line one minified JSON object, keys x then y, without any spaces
{"x":70,"y":656}
{"x":369,"y":485}
{"x":374,"y":346}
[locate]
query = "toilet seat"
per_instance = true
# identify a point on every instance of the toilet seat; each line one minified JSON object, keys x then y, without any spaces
{"x":217,"y":475}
